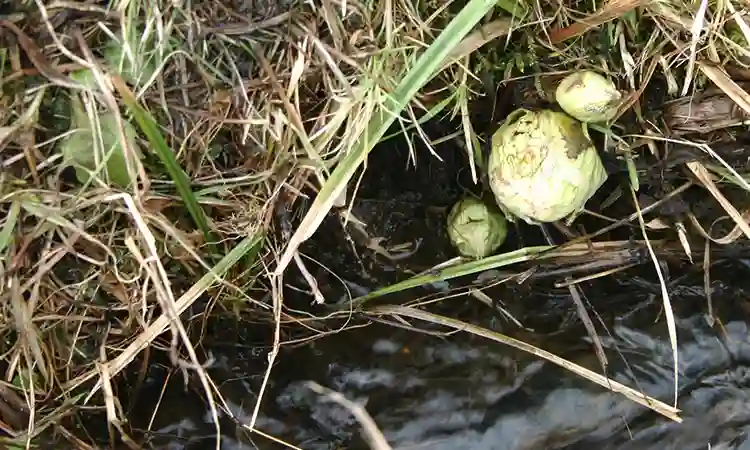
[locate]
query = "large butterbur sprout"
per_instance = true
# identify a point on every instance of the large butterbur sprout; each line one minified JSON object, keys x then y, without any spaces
{"x":543,"y":166}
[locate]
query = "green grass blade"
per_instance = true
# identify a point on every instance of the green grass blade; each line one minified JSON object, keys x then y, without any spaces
{"x":632,"y":171}
{"x":518,"y":9}
{"x":423,"y":71}
{"x":6,"y":233}
{"x":180,"y":178}
{"x":459,"y":270}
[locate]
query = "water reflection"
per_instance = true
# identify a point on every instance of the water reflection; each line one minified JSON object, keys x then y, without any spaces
{"x":460,"y":392}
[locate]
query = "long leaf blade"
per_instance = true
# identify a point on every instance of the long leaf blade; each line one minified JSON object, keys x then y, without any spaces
{"x":165,"y":154}
{"x":424,"y":70}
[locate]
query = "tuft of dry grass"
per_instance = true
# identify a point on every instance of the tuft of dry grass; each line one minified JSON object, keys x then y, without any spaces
{"x":109,"y":238}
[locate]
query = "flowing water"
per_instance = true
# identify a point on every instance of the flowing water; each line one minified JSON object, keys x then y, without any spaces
{"x":460,"y":391}
{"x":440,"y":390}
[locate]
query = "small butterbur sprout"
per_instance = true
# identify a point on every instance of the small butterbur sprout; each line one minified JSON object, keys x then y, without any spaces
{"x":475,"y":228}
{"x":543,"y":166}
{"x":96,"y":148}
{"x":588,"y":97}
{"x":137,"y":66}
{"x":85,"y":77}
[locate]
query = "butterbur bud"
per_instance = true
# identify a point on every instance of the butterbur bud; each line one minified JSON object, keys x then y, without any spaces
{"x":588,"y":96}
{"x":475,"y":228}
{"x":543,"y":166}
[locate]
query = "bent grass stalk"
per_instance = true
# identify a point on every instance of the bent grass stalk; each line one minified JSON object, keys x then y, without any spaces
{"x":638,"y":397}
{"x":247,"y":247}
{"x":422,"y":72}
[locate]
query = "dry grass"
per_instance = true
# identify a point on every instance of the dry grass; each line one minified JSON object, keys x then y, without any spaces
{"x":239,"y":123}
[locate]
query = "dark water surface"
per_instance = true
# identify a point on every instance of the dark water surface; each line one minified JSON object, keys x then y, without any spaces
{"x":460,"y":391}
{"x":465,"y":392}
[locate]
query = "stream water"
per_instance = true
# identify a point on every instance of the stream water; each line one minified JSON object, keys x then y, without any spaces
{"x":463,"y":392}
{"x":459,"y":391}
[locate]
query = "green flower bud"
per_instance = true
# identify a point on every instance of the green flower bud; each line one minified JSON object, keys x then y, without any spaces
{"x":588,"y":96}
{"x":475,"y":228}
{"x":543,"y":166}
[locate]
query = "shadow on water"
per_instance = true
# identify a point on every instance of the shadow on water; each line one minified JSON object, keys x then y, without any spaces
{"x":459,"y":391}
